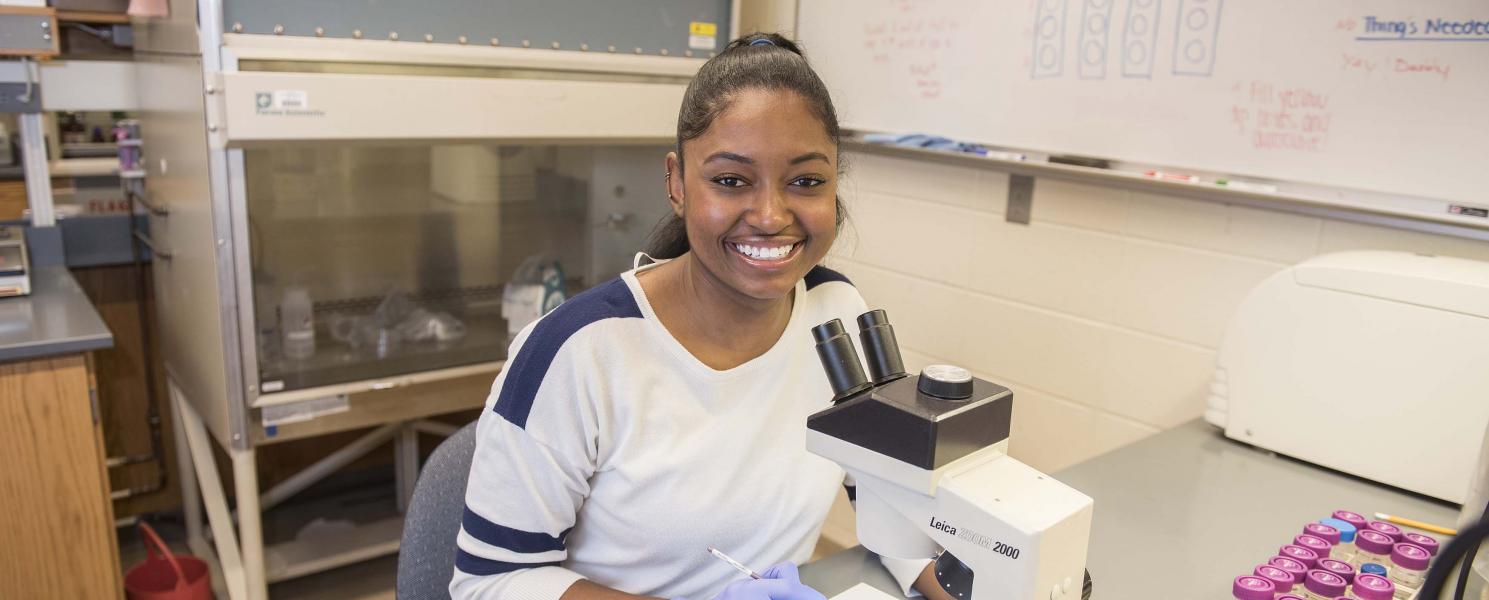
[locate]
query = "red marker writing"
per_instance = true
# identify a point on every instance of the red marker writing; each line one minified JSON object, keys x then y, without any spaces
{"x":1172,"y":176}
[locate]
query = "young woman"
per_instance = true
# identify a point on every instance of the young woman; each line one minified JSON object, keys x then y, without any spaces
{"x":664,"y":412}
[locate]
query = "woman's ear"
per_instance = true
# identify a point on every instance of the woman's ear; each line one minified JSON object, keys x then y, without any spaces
{"x":673,"y":178}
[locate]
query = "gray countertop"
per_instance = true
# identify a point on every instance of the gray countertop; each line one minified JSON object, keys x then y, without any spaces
{"x":1207,"y":507}
{"x":56,"y":318}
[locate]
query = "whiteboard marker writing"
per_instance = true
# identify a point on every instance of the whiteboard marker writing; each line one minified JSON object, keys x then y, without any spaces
{"x":1172,"y":176}
{"x":1247,"y":186}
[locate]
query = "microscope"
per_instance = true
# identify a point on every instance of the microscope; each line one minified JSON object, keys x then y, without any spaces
{"x":929,"y":454}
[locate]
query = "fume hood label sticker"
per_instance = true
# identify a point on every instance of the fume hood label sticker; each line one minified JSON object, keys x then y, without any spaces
{"x":703,"y":36}
{"x":284,"y":102}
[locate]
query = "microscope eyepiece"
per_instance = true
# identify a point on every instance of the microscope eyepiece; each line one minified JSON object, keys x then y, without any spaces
{"x":881,"y":350}
{"x":840,"y":360}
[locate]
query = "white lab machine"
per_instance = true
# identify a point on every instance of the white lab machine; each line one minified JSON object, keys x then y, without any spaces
{"x":1373,"y":363}
{"x":929,"y":456}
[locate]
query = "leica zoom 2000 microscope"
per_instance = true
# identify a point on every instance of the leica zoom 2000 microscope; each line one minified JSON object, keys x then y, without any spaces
{"x":929,"y":454}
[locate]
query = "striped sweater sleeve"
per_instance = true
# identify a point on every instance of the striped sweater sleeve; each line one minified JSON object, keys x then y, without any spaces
{"x":529,"y":478}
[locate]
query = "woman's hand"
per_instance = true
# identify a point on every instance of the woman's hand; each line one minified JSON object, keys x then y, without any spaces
{"x":780,"y":582}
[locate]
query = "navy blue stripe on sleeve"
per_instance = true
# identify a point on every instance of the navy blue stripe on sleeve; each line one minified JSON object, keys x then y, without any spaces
{"x":516,"y":540}
{"x":820,"y":275}
{"x":475,"y":565}
{"x":526,"y":371}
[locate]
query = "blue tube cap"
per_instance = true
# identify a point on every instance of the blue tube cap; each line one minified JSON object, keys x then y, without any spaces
{"x":1346,"y":531}
{"x":1373,"y":569}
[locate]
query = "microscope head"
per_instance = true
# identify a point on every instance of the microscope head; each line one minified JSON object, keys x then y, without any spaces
{"x":929,"y":455}
{"x":920,"y":424}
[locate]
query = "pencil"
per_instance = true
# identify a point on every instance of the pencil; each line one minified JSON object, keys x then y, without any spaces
{"x":733,"y":563}
{"x":1416,"y":524}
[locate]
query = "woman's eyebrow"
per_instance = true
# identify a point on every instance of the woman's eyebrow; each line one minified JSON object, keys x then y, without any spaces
{"x":810,"y":156}
{"x":729,"y":156}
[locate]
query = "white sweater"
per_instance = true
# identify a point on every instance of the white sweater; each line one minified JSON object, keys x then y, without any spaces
{"x":608,"y":452}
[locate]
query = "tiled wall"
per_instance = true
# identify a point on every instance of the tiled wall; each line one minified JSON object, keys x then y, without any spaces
{"x":1104,"y":314}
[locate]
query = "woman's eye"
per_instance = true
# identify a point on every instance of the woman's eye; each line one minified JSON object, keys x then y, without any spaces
{"x":809,"y":182}
{"x":728,"y":181}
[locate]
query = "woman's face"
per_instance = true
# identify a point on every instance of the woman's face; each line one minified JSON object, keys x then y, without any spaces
{"x":759,"y":193}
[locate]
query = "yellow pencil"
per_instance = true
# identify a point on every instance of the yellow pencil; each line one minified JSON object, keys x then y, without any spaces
{"x":1416,"y":524}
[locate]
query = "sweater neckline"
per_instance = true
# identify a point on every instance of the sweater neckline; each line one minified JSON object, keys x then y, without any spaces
{"x":681,"y":352}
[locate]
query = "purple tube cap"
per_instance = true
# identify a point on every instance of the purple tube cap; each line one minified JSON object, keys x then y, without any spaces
{"x":1338,"y":567}
{"x":1410,"y":556}
{"x":1391,"y":530}
{"x":1369,"y":586}
{"x":1289,"y":597}
{"x":1324,"y":583}
{"x":1327,"y":533}
{"x":1314,"y":543}
{"x":1303,"y":555}
{"x":1279,"y":578}
{"x":1291,"y":565}
{"x":1251,"y":587}
{"x":1374,"y":542}
{"x":1353,"y":518}
{"x":1427,"y":542}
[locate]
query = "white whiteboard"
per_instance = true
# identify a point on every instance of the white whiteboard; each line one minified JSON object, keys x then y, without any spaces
{"x":1319,"y":91}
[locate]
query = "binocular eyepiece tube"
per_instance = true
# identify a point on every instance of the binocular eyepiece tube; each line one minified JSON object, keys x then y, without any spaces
{"x":840,"y":359}
{"x":881,"y":350}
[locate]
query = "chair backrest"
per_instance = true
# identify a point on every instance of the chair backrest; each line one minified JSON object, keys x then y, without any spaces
{"x":426,"y":557}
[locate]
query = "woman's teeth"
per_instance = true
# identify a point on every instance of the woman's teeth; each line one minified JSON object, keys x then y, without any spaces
{"x":764,"y":252}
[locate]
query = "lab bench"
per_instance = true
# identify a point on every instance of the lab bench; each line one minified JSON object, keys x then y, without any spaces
{"x":1181,"y":514}
{"x":57,"y":526}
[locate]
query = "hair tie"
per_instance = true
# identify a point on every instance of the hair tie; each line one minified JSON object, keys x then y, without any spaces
{"x":762,"y":42}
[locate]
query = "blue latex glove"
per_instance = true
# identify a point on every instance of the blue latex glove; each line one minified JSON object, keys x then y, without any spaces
{"x":780,"y":582}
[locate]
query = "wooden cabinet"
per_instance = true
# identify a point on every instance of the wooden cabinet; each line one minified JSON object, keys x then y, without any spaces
{"x":56,"y":521}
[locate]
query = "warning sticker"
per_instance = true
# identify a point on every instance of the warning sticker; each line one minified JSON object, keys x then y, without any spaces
{"x":703,"y":36}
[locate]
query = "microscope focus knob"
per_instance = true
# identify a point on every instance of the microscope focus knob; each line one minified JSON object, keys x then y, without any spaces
{"x":946,"y":381}
{"x":954,"y":576}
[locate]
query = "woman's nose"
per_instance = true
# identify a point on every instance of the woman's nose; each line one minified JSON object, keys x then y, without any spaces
{"x":769,"y":213}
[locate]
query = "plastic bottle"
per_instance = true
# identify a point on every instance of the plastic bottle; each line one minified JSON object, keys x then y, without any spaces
{"x":1345,"y":549}
{"x":1303,"y":555}
{"x":1323,"y":585}
{"x":297,"y":323}
{"x":1293,"y":567}
{"x":1427,"y":542}
{"x":1408,"y":568}
{"x":1338,"y":567}
{"x":1391,"y":531}
{"x":1318,"y":545}
{"x":1369,"y":586}
{"x":1251,"y":587}
{"x":1327,"y":533}
{"x":1281,"y":580}
{"x":1373,"y":547}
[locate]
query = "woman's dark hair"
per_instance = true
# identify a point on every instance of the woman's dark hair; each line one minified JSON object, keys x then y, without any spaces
{"x":756,"y":61}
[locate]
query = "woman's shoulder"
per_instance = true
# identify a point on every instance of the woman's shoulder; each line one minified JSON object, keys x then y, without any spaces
{"x":820,"y":275}
{"x":830,"y":292}
{"x":549,"y":343}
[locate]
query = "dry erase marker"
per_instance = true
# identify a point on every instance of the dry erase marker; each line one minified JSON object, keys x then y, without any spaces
{"x":1247,"y":186}
{"x":733,"y":563}
{"x":1172,"y":176}
{"x":1004,"y":155}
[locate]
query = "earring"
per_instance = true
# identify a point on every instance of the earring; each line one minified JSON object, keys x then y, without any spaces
{"x":667,"y":178}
